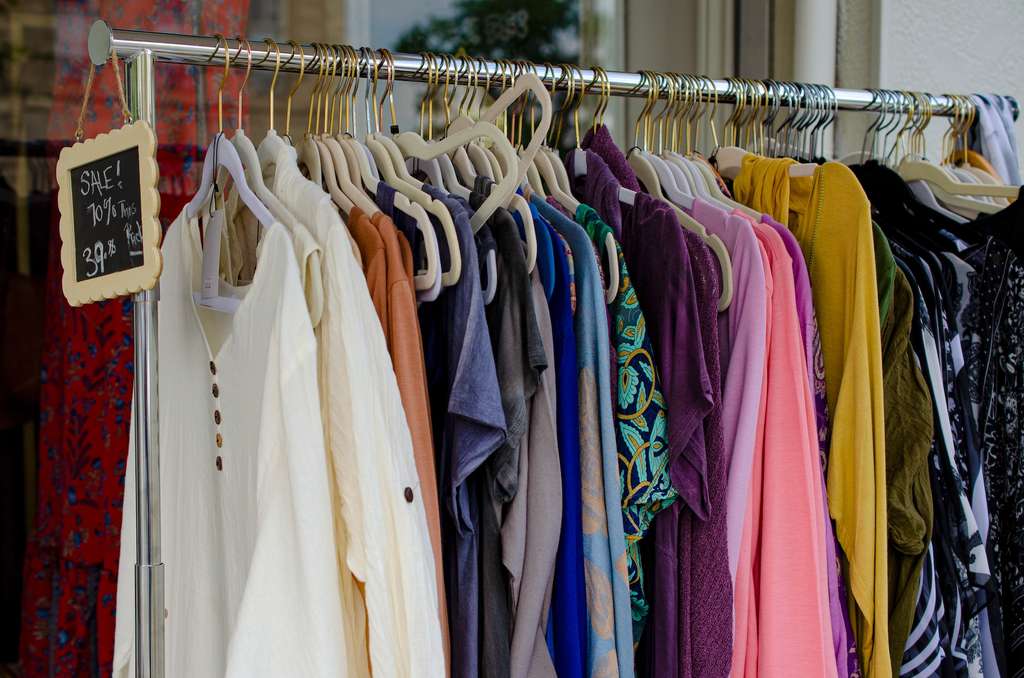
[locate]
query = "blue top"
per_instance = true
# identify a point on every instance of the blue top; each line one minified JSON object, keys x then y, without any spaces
{"x":545,"y":255}
{"x":469,"y":425}
{"x":610,"y":628}
{"x":567,"y":637}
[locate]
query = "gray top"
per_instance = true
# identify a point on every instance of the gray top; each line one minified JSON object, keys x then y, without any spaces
{"x":519,"y":357}
{"x":533,"y":524}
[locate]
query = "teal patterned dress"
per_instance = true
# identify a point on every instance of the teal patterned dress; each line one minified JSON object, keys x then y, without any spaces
{"x":640,"y":414}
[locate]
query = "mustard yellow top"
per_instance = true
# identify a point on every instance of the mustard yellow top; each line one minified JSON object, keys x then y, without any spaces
{"x":831,"y":218}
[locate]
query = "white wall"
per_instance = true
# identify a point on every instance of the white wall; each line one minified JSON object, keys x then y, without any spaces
{"x":938,"y":46}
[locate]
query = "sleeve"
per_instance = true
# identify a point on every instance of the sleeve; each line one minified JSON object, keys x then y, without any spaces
{"x":289,"y":621}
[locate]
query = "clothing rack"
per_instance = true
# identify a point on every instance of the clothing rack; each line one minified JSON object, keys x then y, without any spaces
{"x":141,"y":50}
{"x":199,"y":50}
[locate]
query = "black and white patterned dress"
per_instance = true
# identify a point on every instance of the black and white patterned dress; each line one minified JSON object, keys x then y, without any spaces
{"x":995,"y":361}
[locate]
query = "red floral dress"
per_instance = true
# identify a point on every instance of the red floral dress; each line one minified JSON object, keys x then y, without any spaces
{"x":71,"y":561}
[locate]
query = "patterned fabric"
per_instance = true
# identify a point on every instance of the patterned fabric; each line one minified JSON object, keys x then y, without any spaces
{"x":959,"y":553}
{"x":640,"y":416}
{"x":610,"y":642}
{"x":71,"y":559}
{"x":924,"y":652}
{"x":996,"y":353}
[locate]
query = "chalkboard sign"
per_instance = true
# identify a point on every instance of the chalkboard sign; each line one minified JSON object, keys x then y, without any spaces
{"x":110,"y":233}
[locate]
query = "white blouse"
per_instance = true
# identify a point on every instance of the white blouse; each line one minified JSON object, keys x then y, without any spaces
{"x":251,"y":584}
{"x":388,"y":546}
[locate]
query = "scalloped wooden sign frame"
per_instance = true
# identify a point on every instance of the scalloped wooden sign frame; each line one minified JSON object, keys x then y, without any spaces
{"x":104,"y":221}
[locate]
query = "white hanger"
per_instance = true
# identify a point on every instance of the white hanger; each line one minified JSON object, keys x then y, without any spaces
{"x":951,"y":191}
{"x":221,"y":153}
{"x":729,"y":160}
{"x":392,"y":164}
{"x":925,"y":196}
{"x":251,"y":162}
{"x":644,"y":165}
{"x":503,"y":149}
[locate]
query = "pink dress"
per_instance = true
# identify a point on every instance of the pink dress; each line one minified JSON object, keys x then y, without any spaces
{"x":783,"y":625}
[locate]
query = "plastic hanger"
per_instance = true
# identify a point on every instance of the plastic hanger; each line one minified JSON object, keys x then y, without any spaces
{"x":948,"y":189}
{"x":354,"y":178}
{"x":270,"y":150}
{"x":447,"y":167}
{"x":341,"y":165}
{"x":221,"y":153}
{"x":467,"y":130}
{"x":611,"y":291}
{"x":647,"y":172}
{"x":709,"y":177}
{"x":517,"y":204}
{"x":431,"y":168}
{"x":309,"y":160}
{"x":247,"y":152}
{"x":427,"y":282}
{"x":314,"y":144}
{"x":729,"y":159}
{"x":484,"y":161}
{"x":391,"y":162}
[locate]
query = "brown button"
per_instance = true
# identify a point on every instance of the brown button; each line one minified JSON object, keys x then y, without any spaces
{"x":220,"y":440}
{"x":220,"y":464}
{"x":216,"y":416}
{"x":216,"y":391}
{"x":213,"y":368}
{"x":408,"y":494}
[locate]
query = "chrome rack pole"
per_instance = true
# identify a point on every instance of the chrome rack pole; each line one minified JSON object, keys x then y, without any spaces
{"x":205,"y":51}
{"x":149,"y":570}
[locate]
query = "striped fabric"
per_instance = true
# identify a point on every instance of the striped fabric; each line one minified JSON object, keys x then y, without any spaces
{"x":924,"y":653}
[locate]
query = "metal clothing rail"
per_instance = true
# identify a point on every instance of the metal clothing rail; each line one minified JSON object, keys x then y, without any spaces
{"x":202,"y":50}
{"x":141,"y":50}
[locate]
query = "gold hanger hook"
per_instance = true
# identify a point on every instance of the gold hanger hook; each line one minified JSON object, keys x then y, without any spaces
{"x":375,"y":65}
{"x":570,"y":91}
{"x":689,"y":108}
{"x":314,"y":93}
{"x":694,"y":112}
{"x":302,"y":73}
{"x":451,"y":72}
{"x":389,"y":89}
{"x":713,"y":88}
{"x":465,"y":69}
{"x":327,"y":97}
{"x":426,"y":61}
{"x":645,"y":87}
{"x":337,"y":79}
{"x":273,"y":81}
{"x":673,"y":111}
{"x":248,"y":70}
{"x":600,"y":78}
{"x":220,"y":86}
{"x":341,"y":96}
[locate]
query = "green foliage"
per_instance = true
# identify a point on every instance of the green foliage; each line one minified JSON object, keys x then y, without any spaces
{"x":537,"y":30}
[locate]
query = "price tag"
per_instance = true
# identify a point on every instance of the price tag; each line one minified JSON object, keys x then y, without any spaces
{"x":109,"y":215}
